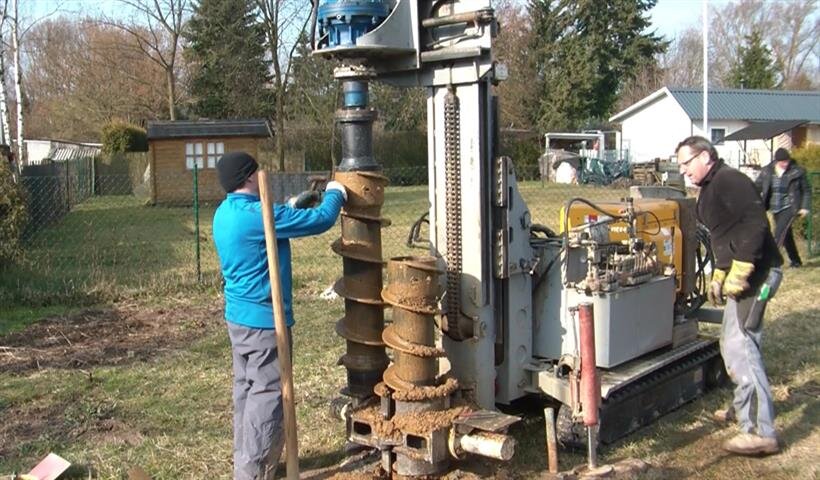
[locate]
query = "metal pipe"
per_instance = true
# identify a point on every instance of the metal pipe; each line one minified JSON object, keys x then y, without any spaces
{"x":592,"y":446}
{"x":487,"y":444}
{"x":552,"y":442}
{"x":590,"y":393}
{"x":478,"y":16}
{"x":590,"y":390}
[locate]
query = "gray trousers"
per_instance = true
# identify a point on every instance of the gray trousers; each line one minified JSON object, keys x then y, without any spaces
{"x":258,"y":434}
{"x":740,"y":349}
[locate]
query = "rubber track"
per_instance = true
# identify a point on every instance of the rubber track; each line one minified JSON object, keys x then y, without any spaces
{"x":573,"y":434}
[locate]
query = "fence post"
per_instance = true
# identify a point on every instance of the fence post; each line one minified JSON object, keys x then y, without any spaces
{"x":814,"y":187}
{"x":196,"y":220}
{"x":67,"y":186}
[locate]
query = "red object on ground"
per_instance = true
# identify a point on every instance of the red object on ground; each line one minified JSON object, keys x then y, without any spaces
{"x":590,"y":389}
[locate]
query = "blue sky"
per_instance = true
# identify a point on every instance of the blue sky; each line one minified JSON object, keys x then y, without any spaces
{"x":668,"y":16}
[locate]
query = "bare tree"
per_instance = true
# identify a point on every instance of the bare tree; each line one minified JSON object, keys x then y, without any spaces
{"x":5,"y":135}
{"x":682,"y":63}
{"x":794,"y":41}
{"x":648,"y":78}
{"x":18,"y":84}
{"x":157,"y":33}
{"x":82,"y":74}
{"x":284,"y":22}
{"x":791,"y":29}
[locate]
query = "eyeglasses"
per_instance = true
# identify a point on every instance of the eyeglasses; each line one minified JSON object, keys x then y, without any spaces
{"x":686,"y":163}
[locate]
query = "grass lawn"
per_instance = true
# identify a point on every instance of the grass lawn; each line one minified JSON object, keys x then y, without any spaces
{"x":112,"y":355}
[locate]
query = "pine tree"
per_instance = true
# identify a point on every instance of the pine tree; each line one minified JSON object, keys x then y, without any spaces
{"x":584,"y":51}
{"x":227,"y":52}
{"x":754,"y":67}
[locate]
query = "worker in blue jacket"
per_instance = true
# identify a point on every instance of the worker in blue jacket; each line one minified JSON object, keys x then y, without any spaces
{"x":239,"y":236}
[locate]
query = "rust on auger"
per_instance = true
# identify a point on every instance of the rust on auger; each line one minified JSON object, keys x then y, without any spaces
{"x":361,"y":250}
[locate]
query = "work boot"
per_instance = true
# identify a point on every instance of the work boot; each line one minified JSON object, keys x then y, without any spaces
{"x":751,"y":444}
{"x":724,"y":415}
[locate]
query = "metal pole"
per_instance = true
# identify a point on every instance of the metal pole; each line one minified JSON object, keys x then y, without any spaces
{"x":592,"y":445}
{"x":196,"y":221}
{"x":552,"y":443}
{"x":706,"y":69}
{"x":590,"y":390}
{"x":813,"y":177}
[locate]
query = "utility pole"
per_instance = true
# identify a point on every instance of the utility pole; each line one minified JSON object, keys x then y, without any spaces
{"x":706,"y":69}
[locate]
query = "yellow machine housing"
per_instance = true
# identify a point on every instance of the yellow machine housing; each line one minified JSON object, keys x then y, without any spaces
{"x":658,"y":221}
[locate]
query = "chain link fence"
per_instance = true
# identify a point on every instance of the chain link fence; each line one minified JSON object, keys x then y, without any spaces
{"x":100,"y":232}
{"x":813,"y":222}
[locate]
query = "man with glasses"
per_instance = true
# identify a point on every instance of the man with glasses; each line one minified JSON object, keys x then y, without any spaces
{"x":747,"y":274}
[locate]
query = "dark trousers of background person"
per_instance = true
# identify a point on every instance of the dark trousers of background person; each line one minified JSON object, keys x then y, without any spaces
{"x":784,"y":236}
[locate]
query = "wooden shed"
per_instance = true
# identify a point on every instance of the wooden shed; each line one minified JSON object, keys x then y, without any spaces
{"x":175,"y":147}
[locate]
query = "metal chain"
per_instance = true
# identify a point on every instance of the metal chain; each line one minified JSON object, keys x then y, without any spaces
{"x":452,"y":186}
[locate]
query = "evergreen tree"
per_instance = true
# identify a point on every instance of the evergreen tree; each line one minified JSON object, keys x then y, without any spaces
{"x":584,"y":51}
{"x":754,"y":67}
{"x":227,"y":52}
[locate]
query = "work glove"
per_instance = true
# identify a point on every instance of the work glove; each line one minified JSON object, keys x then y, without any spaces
{"x":802,"y":212}
{"x":737,"y":281}
{"x":334,"y":185}
{"x":714,"y":292}
{"x":306,"y":199}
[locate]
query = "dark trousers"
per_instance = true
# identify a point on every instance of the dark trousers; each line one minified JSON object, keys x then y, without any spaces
{"x":783,"y":234}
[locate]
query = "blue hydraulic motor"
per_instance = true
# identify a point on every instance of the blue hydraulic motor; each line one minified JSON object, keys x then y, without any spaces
{"x":341,"y":22}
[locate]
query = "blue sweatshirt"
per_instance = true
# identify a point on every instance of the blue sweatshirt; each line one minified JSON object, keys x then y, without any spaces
{"x":239,"y":236}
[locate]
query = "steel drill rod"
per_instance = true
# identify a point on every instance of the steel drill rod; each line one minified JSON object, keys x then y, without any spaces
{"x":592,"y":446}
{"x":281,"y":329}
{"x":552,"y":443}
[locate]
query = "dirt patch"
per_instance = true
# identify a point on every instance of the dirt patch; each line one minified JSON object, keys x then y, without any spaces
{"x":417,"y":423}
{"x":424,"y":393}
{"x":121,"y":334}
{"x":65,"y":421}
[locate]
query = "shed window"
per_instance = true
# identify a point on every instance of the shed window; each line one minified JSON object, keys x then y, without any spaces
{"x":193,"y":153}
{"x":717,"y":135}
{"x":215,"y":150}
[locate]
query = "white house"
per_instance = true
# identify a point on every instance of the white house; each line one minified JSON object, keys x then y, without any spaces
{"x":761,"y":120}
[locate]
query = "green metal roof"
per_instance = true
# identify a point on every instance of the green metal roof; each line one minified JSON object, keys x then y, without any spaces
{"x":735,"y":104}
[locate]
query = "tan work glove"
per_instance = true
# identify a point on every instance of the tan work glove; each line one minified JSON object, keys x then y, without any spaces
{"x":714,"y":292}
{"x":737,"y":281}
{"x":802,"y":212}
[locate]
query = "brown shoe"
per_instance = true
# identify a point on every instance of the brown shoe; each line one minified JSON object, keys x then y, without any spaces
{"x":724,"y":415}
{"x":750,"y":444}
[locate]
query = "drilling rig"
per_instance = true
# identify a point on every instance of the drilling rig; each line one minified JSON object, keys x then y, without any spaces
{"x":492,"y":313}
